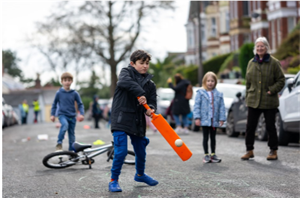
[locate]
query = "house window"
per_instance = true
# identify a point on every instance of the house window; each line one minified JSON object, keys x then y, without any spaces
{"x":245,"y":8}
{"x":227,"y":22}
{"x":273,"y":34}
{"x":279,"y":32}
{"x":258,"y":4}
{"x":235,"y":9}
{"x":253,"y":5}
{"x":291,"y":4}
{"x":213,"y":27}
{"x":203,"y":39}
{"x":236,"y":42}
{"x":291,"y":23}
{"x":246,"y":38}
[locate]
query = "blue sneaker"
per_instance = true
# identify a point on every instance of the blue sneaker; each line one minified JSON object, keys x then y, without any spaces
{"x":146,"y":179}
{"x":114,"y":187}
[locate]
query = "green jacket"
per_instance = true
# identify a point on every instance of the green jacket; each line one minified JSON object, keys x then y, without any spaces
{"x":261,"y":78}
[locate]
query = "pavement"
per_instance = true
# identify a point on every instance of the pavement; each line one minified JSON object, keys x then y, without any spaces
{"x":24,"y":175}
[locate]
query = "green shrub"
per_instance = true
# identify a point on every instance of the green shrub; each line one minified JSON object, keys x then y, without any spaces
{"x":214,"y":64}
{"x":226,"y":63}
{"x":289,"y":46}
{"x":293,"y":70}
{"x":86,"y":102}
{"x":246,"y":54}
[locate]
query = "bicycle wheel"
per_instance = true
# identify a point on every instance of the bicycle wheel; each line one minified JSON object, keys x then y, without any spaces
{"x":129,"y":159}
{"x":61,"y":159}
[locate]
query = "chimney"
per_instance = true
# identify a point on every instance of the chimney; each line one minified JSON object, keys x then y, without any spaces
{"x":38,"y":82}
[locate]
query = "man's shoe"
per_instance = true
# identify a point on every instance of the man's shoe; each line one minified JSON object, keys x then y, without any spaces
{"x":114,"y":187}
{"x":248,"y":155}
{"x":215,"y":159}
{"x":207,"y":159}
{"x":272,"y":155}
{"x":146,"y":179}
{"x":59,"y":147}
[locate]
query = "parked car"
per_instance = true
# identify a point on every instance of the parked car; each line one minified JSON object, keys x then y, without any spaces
{"x":164,"y":98}
{"x":9,"y":117}
{"x":229,"y":93}
{"x":237,"y":116}
{"x":288,"y":116}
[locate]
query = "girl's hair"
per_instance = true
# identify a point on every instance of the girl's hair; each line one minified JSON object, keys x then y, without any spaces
{"x":178,"y":77}
{"x":208,"y":74}
{"x":264,"y":41}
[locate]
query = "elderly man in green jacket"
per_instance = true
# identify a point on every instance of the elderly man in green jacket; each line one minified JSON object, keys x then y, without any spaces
{"x":265,"y":79}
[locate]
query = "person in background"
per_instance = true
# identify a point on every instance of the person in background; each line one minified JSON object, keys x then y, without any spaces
{"x":181,"y":105}
{"x":36,"y":109}
{"x":66,"y":98}
{"x":96,"y":112}
{"x":264,"y":79}
{"x":209,"y":112}
{"x":24,"y":109}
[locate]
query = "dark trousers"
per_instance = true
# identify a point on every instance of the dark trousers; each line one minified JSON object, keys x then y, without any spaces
{"x":206,"y":132}
{"x":24,"y":119}
{"x":36,"y":113}
{"x":252,"y":120}
{"x":96,"y":119}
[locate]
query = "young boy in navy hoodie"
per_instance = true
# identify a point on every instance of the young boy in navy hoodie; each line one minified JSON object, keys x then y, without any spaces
{"x":66,"y":98}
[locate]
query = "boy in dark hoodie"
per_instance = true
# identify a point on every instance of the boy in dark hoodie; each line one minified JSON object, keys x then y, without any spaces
{"x":66,"y":98}
{"x":128,"y":117}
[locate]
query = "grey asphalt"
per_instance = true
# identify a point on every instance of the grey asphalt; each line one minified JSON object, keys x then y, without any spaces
{"x":23,"y":174}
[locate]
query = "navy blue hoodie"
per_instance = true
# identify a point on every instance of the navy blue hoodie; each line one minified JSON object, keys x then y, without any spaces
{"x":66,"y":101}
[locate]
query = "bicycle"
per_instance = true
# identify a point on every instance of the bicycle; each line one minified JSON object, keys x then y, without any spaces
{"x":84,"y":153}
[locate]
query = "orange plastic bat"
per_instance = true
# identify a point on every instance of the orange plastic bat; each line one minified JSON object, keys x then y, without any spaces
{"x":170,"y":135}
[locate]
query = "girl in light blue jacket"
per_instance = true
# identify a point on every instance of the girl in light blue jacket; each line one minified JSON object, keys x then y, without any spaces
{"x":209,"y":112}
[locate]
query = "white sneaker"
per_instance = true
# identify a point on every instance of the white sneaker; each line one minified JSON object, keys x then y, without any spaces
{"x":178,"y":130}
{"x":186,"y":131}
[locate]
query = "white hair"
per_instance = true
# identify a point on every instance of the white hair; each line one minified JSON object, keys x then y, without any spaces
{"x":264,"y":41}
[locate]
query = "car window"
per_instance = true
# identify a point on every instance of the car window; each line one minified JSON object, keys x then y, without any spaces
{"x":166,"y":96}
{"x":230,"y":92}
{"x":297,"y":81}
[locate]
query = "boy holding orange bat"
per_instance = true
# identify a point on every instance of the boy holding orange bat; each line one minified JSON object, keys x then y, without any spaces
{"x":128,"y":117}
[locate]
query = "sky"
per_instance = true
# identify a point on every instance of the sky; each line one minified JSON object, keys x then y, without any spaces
{"x":168,"y":34}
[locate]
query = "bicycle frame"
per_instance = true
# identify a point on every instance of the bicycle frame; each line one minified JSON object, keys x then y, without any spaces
{"x":96,"y":151}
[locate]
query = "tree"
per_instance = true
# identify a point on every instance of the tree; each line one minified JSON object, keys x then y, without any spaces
{"x":246,"y":54}
{"x":10,"y":63}
{"x":107,"y":30}
{"x":164,"y":69}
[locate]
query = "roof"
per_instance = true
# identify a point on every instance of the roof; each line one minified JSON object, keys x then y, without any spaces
{"x":16,"y":98}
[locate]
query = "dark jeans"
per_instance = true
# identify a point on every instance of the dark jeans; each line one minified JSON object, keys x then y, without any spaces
{"x":206,"y":132}
{"x":252,"y":120}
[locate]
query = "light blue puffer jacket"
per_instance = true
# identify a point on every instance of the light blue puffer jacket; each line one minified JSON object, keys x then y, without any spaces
{"x":203,"y":109}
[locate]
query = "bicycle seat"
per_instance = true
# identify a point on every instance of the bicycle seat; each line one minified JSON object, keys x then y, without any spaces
{"x":80,"y":147}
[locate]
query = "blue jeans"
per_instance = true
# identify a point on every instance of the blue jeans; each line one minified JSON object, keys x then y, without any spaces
{"x":120,"y":148}
{"x":185,"y":120}
{"x":67,"y":123}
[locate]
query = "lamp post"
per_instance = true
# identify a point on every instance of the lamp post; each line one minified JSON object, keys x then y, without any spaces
{"x":200,"y":68}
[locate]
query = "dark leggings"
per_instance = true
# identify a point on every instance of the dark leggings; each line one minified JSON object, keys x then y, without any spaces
{"x":206,"y":132}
